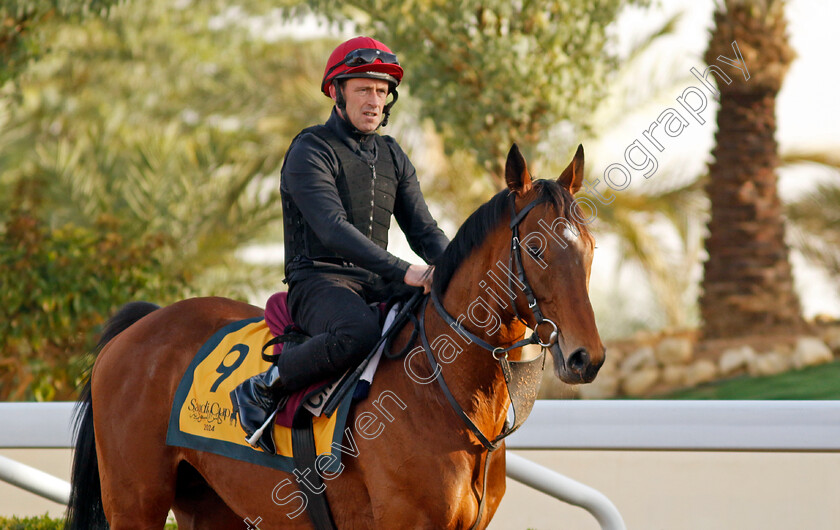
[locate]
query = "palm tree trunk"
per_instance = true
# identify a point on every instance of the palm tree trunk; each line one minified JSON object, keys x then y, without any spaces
{"x":747,"y":285}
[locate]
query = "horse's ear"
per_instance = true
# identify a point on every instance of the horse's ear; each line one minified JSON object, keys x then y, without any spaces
{"x":572,"y":176}
{"x":516,"y":172}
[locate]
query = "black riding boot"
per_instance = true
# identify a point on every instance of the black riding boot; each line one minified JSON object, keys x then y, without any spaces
{"x":255,"y":400}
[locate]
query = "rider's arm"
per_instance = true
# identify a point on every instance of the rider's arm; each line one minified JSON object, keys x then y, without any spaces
{"x":424,"y":236}
{"x":308,"y":177}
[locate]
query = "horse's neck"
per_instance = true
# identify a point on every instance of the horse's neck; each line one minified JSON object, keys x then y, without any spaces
{"x":474,"y":376}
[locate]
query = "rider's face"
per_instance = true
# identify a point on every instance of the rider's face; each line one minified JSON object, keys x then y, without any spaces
{"x":365,"y":100}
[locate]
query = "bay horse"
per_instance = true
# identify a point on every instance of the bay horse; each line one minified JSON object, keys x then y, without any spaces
{"x":425,"y":467}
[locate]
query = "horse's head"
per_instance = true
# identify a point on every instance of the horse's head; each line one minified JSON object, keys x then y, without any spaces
{"x":556,"y":257}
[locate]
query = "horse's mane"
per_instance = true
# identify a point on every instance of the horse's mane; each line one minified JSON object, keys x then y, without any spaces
{"x":474,"y":231}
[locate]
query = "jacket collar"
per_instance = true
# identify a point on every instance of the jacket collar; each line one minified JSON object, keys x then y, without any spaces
{"x":362,"y":144}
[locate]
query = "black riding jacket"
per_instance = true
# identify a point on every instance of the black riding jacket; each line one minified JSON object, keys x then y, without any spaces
{"x":328,"y":228}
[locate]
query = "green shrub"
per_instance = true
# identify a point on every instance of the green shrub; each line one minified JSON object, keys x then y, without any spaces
{"x":58,"y":286}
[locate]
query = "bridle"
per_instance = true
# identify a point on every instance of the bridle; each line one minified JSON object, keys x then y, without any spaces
{"x":520,"y":382}
{"x":522,"y":378}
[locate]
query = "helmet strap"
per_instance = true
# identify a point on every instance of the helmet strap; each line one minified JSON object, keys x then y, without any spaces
{"x":387,"y":110}
{"x":339,"y":96}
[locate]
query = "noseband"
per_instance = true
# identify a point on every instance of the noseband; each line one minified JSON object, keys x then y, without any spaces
{"x":522,"y":378}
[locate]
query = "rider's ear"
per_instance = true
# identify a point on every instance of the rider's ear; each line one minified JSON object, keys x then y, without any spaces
{"x":572,"y":176}
{"x":516,"y":172}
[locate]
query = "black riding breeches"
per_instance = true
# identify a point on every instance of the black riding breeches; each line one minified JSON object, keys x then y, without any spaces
{"x":334,"y":311}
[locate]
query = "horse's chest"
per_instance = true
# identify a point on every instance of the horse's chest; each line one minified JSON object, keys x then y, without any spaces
{"x":442,"y":492}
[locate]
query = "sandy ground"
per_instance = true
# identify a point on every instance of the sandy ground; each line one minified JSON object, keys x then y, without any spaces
{"x":652,"y":490}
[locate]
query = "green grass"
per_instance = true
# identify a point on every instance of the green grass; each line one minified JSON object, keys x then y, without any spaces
{"x":815,"y":382}
{"x":43,"y":522}
{"x":31,"y":523}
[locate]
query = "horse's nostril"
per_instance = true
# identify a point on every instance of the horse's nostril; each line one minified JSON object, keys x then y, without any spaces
{"x":579,"y":360}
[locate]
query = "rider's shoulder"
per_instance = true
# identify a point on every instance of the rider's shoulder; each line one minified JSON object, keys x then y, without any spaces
{"x":310,"y":136}
{"x":401,"y":161}
{"x":395,"y":148}
{"x":390,"y":141}
{"x":309,"y":149}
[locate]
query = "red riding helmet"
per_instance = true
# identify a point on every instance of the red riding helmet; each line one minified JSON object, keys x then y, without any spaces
{"x":362,"y":57}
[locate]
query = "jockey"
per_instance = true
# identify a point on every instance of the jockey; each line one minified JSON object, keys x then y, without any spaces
{"x":340,"y":184}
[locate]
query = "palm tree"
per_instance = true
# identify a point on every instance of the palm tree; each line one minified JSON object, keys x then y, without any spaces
{"x":747,"y":285}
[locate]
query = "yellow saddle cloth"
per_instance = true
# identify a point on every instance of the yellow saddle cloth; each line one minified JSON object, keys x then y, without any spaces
{"x":202,"y":414}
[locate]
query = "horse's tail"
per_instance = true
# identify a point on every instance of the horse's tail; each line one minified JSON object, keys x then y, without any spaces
{"x":85,"y":507}
{"x":85,"y":511}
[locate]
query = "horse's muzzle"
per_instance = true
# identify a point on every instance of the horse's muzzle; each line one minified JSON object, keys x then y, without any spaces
{"x":577,"y":368}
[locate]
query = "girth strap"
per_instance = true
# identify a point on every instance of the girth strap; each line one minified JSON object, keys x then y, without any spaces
{"x":303,"y":446}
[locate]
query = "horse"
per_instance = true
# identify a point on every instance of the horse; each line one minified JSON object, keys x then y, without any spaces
{"x":426,"y":466}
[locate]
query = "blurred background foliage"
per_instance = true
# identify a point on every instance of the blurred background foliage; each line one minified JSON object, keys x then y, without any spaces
{"x":141,"y":151}
{"x":24,"y":35}
{"x":140,"y":147}
{"x":814,"y":218}
{"x":58,"y":284}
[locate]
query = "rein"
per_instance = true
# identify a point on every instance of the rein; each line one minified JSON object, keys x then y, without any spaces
{"x":522,"y":378}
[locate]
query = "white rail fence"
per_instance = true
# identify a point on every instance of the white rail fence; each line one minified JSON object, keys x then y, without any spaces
{"x":608,"y":425}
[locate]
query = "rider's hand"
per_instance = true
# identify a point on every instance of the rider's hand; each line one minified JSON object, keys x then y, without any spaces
{"x":420,"y":276}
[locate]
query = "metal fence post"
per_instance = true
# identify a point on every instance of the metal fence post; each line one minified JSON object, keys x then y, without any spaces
{"x":34,"y":480}
{"x":565,"y":489}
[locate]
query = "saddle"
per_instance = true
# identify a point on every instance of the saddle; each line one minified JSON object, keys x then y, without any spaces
{"x":285,"y":331}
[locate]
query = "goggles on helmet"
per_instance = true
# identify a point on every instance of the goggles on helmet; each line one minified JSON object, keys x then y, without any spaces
{"x":364,"y":56}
